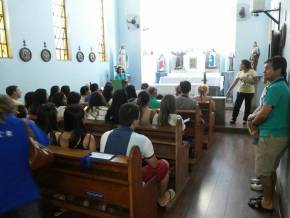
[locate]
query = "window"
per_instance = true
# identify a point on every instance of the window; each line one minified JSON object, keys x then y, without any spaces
{"x":101,"y":34}
{"x":60,"y":29}
{"x":3,"y":34}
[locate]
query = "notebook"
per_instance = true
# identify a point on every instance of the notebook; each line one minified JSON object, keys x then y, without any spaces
{"x":103,"y":156}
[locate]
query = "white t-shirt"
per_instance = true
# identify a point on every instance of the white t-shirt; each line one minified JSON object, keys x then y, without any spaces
{"x":171,"y":121}
{"x":144,"y":144}
{"x":60,"y":111}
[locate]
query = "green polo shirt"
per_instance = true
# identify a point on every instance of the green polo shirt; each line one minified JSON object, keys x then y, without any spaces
{"x":278,"y":121}
{"x":154,"y":103}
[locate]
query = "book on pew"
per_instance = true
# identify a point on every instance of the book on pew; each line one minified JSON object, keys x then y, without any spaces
{"x":102,"y":156}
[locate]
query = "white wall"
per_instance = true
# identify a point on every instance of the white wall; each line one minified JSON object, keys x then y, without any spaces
{"x":31,"y":20}
{"x":256,"y":28}
{"x":130,"y":38}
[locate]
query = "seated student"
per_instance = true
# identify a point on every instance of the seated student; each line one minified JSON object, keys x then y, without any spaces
{"x":167,"y":115}
{"x":121,"y":75}
{"x":66,"y":90}
{"x":74,"y":135}
{"x":177,"y":91}
{"x":144,"y":87}
{"x":184,"y":101}
{"x":53,"y":90}
{"x":39,"y":98}
{"x":14,"y":93}
{"x":153,"y":103}
{"x":97,"y":107}
{"x":119,"y":98}
{"x":28,"y":99}
{"x":120,"y":141}
{"x":108,"y":93}
{"x":47,"y":121}
{"x":21,"y":111}
{"x":146,"y":114}
{"x":85,"y":92}
{"x":60,"y":102}
{"x":94,"y":87}
{"x":131,"y":93}
{"x":203,"y":97}
{"x":73,"y":98}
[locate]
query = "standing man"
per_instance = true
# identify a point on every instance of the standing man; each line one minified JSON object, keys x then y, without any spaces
{"x":273,"y":121}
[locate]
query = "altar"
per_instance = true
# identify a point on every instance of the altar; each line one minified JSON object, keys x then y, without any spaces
{"x":213,"y":79}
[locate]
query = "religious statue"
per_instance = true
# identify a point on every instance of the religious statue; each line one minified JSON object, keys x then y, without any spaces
{"x":161,"y":63}
{"x":231,"y":61}
{"x":123,"y":59}
{"x":179,"y":60}
{"x":212,"y":59}
{"x":255,"y":55}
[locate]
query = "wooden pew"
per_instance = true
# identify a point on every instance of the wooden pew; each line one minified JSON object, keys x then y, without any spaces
{"x":168,"y":144}
{"x":209,"y":117}
{"x":117,"y":182}
{"x":194,"y":129}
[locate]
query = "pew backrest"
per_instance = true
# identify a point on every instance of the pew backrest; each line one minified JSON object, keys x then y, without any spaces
{"x":116,"y":182}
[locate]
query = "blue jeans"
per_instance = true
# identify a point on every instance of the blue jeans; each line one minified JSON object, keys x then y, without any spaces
{"x":30,"y":210}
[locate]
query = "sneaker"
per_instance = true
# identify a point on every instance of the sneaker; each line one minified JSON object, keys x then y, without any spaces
{"x":58,"y":212}
{"x":255,"y":181}
{"x":256,"y":187}
{"x":232,"y":122}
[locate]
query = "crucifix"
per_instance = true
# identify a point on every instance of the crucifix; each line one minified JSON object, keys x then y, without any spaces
{"x":204,"y":78}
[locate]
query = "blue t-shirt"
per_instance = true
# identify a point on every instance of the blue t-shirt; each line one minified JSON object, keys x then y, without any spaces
{"x":16,"y":183}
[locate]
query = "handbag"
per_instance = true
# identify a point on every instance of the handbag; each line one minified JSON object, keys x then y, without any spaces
{"x":39,"y":155}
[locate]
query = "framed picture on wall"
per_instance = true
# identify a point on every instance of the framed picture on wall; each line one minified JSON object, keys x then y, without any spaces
{"x":192,"y":63}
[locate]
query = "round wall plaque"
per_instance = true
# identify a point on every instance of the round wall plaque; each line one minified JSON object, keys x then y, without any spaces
{"x":80,"y":56}
{"x":45,"y":55}
{"x":25,"y":54}
{"x":92,"y":57}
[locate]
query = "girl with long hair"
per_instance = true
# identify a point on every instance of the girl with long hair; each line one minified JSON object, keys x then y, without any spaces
{"x":146,"y":114}
{"x":167,"y":115}
{"x":74,"y":135}
{"x":119,"y":98}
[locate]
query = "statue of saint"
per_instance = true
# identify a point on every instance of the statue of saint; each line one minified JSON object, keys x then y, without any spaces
{"x":255,"y":55}
{"x":179,"y":60}
{"x":123,"y":59}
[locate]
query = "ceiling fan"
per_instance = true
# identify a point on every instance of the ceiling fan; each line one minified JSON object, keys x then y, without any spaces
{"x":133,"y":22}
{"x":243,"y":12}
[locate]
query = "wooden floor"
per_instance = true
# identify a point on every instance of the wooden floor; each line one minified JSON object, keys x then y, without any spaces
{"x":219,"y":186}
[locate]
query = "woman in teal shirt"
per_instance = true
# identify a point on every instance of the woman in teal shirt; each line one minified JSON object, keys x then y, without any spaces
{"x":121,"y":75}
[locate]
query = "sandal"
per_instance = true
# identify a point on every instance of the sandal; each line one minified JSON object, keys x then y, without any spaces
{"x":171,"y":193}
{"x":257,"y":205}
{"x":256,"y":198}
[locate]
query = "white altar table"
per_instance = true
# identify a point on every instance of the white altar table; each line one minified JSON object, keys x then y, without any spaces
{"x":213,"y":79}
